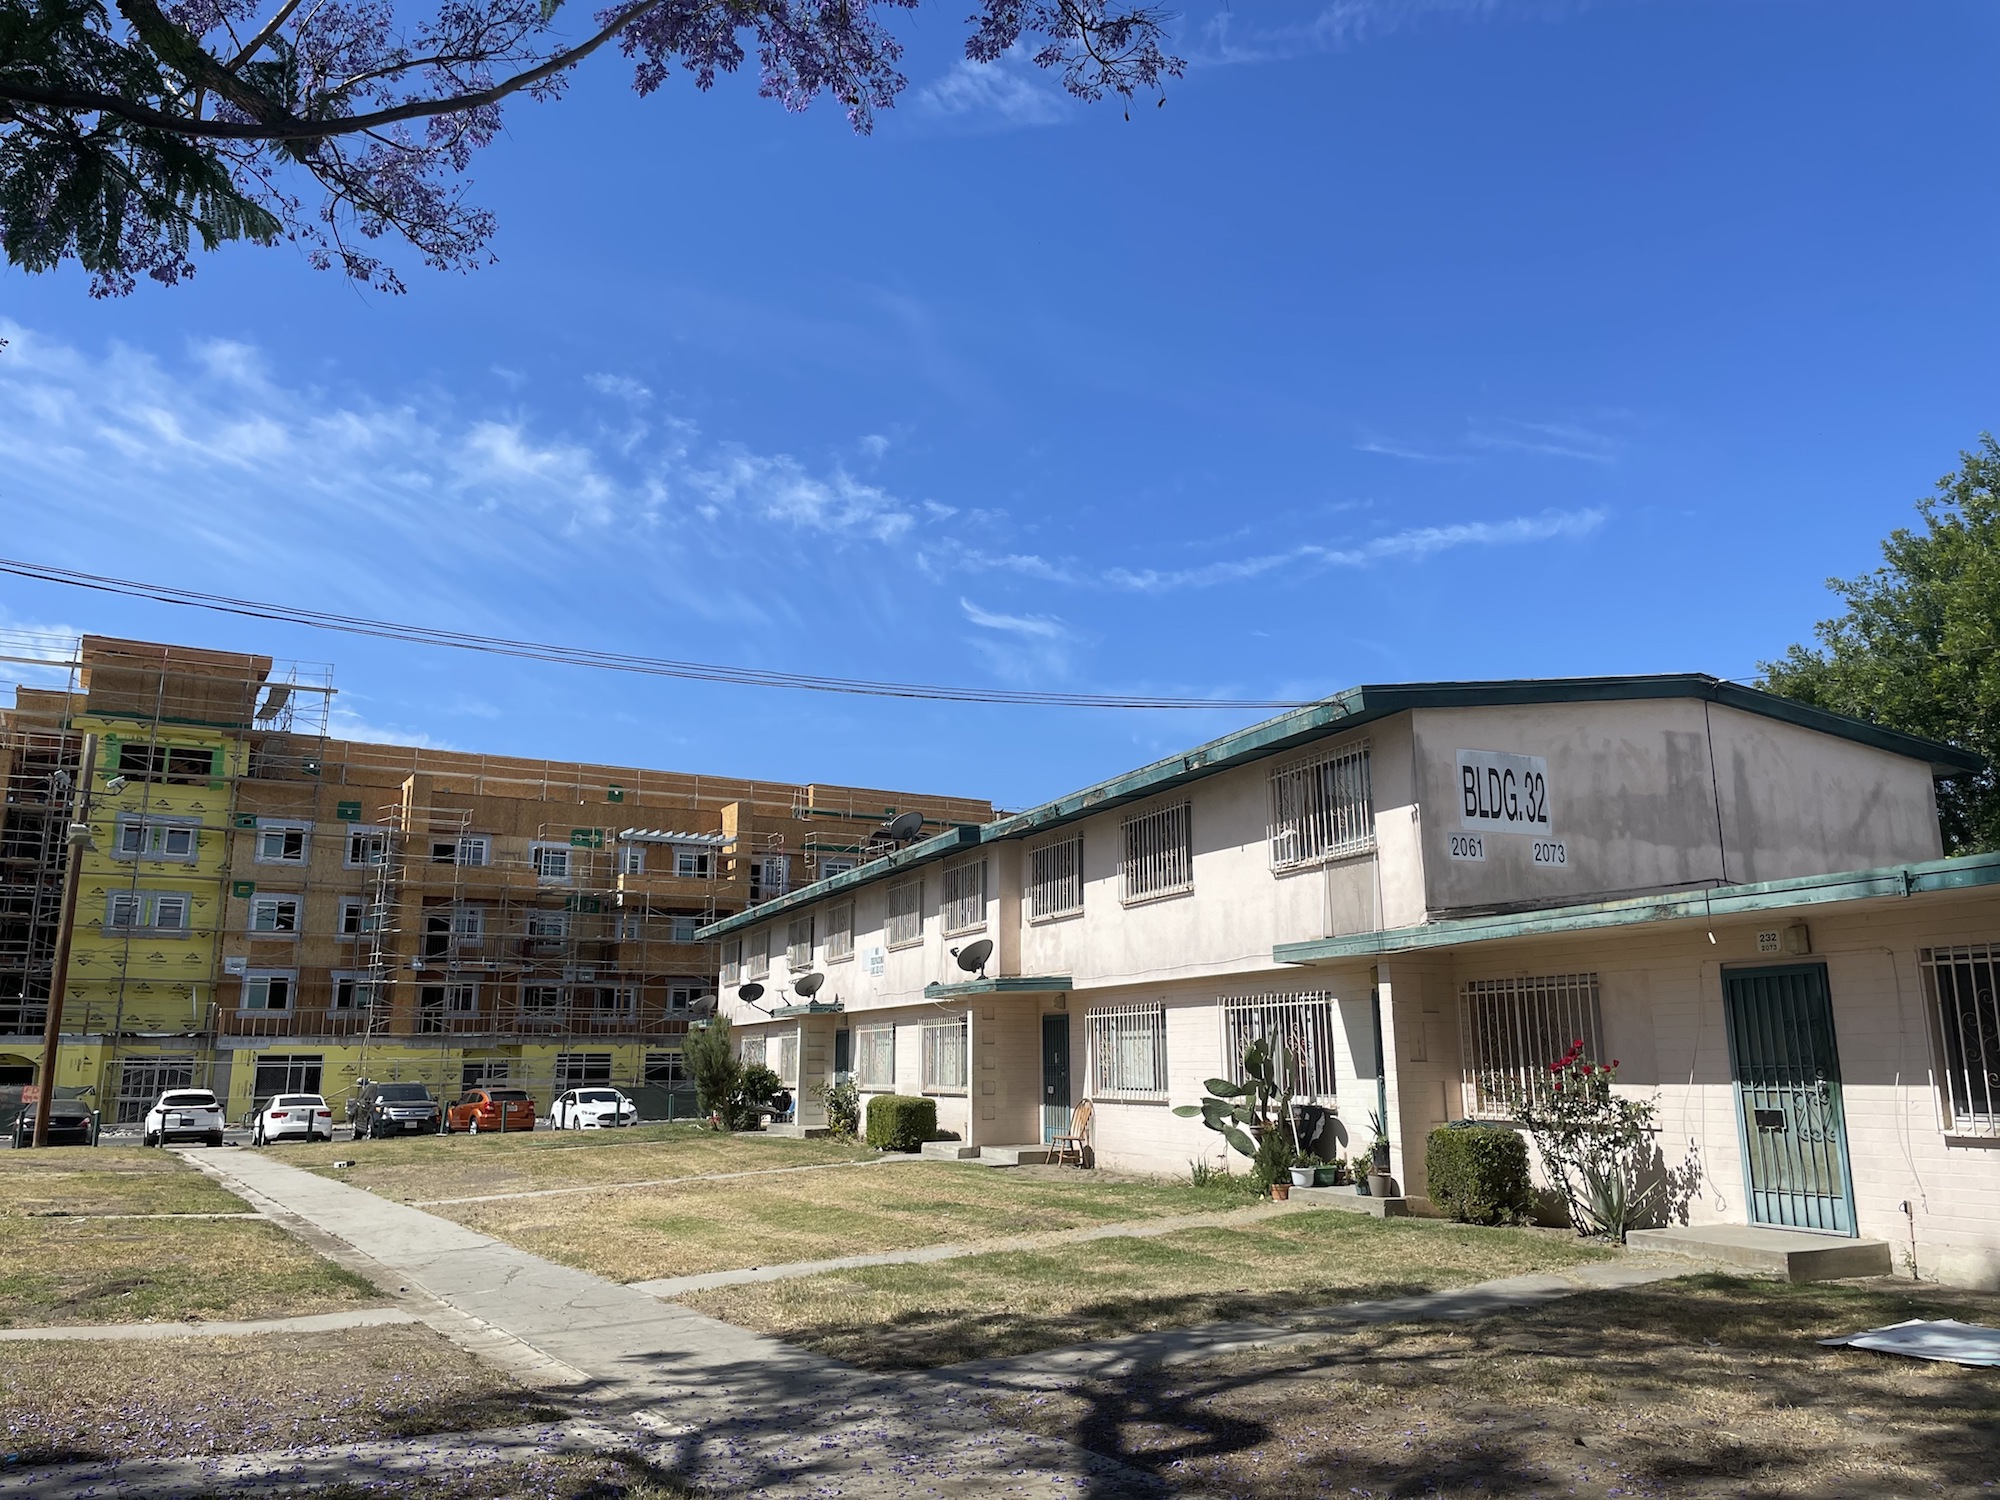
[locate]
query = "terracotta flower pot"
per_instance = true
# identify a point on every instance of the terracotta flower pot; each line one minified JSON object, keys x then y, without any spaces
{"x":1280,"y":1191}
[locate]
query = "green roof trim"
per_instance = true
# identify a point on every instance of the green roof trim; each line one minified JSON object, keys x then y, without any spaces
{"x":1967,"y":872}
{"x":1002,"y":984}
{"x":1348,"y":711}
{"x":811,"y":1008}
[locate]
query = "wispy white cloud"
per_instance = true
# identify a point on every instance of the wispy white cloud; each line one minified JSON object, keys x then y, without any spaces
{"x":1547,"y":439}
{"x":1010,"y":93}
{"x":1391,"y":449}
{"x":623,"y":387}
{"x":1224,"y":37}
{"x":1045,"y":627}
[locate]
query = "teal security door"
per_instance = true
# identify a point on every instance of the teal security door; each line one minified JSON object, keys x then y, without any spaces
{"x":1055,"y":1076}
{"x":1788,"y":1105}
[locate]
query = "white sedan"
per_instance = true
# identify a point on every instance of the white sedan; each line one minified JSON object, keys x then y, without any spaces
{"x":592,"y":1109}
{"x":303,"y":1116}
{"x":184,"y":1114}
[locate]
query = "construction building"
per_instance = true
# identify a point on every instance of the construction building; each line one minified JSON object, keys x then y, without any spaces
{"x":262,"y":908}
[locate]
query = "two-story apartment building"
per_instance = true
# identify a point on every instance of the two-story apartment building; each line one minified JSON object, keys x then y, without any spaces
{"x":1433,"y":890}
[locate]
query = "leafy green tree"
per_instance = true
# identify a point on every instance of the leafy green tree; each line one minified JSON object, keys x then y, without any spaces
{"x":1919,"y":646}
{"x":711,"y":1063}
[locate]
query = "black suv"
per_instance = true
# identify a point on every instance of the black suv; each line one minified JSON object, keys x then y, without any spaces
{"x":393,"y":1109}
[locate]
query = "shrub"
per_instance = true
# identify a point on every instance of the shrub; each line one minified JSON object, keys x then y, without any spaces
{"x":1479,"y":1174}
{"x":843,"y":1108}
{"x":1275,"y":1156}
{"x":897,"y":1122}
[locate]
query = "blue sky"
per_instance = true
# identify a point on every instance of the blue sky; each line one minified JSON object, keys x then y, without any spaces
{"x":1407,"y":341}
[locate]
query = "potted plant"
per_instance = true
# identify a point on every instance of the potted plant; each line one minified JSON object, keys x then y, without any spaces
{"x":1380,"y":1183}
{"x":1280,"y":1190}
{"x":1305,"y":1171}
{"x":1329,"y":1174}
{"x":1360,"y":1167}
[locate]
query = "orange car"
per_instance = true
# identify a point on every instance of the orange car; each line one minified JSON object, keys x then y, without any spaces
{"x":481,"y":1110}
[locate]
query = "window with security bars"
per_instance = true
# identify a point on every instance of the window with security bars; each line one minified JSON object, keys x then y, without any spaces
{"x":1128,"y":1052}
{"x":944,"y":1056}
{"x":799,"y":943}
{"x":840,"y":932}
{"x":1322,"y":808}
{"x":965,"y":898}
{"x":753,"y":1051}
{"x":781,"y":1056}
{"x":1305,"y":1022}
{"x":757,"y":962}
{"x":1055,"y":879}
{"x":1513,"y":1029}
{"x":1158,"y":858}
{"x":875,"y":1057}
{"x":906,"y":914}
{"x":732,"y":961}
{"x":1962,"y":984}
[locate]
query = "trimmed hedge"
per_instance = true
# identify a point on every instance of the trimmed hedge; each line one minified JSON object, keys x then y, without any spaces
{"x":898,"y":1122}
{"x":1479,"y":1173}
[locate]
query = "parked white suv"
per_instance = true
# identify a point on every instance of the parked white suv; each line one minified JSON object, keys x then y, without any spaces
{"x":305,"y":1116}
{"x":592,"y":1109}
{"x":184,"y":1114}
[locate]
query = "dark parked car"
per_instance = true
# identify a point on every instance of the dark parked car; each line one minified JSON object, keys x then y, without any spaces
{"x":393,"y":1109}
{"x":71,"y":1123}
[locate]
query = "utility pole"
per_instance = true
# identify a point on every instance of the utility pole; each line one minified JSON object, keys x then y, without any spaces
{"x":76,"y":839}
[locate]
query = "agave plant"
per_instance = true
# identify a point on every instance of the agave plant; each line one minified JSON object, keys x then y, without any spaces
{"x":1242,"y":1113}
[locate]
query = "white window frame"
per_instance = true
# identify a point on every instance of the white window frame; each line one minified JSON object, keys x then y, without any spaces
{"x":1511,"y":1029}
{"x":663,"y":1070}
{"x":682,"y":928}
{"x":468,"y":926}
{"x":139,"y":911}
{"x":682,"y":994}
{"x":267,"y":828}
{"x":947,"y":1062}
{"x":835,"y":864}
{"x":963,"y":908}
{"x":616,"y":1002}
{"x":554,"y":864}
{"x":693,"y":862}
{"x":371,"y":842}
{"x":471,"y":851}
{"x":798,"y":947}
{"x":353,"y":990}
{"x":255,"y":998}
{"x":631,"y":859}
{"x":631,"y":927}
{"x":770,"y":876}
{"x":732,"y":960}
{"x":1126,"y":1048}
{"x":840,"y":932}
{"x":1322,"y":807}
{"x":1055,"y":879}
{"x":275,"y":903}
{"x":578,"y":1070}
{"x":904,"y":926}
{"x":1156,"y":853}
{"x":357,"y":917}
{"x":545,"y":925}
{"x":153,"y":835}
{"x":542,"y":1002}
{"x":874,"y":1045}
{"x":1962,"y":991}
{"x":1307,"y":1020}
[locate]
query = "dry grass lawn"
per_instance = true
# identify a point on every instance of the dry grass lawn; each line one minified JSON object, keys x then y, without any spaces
{"x":693,"y":1227}
{"x":984,"y":1306}
{"x":107,"y":1180}
{"x":1709,"y":1386}
{"x":423,"y":1169}
{"x":565,"y":1477}
{"x":195,"y":1397}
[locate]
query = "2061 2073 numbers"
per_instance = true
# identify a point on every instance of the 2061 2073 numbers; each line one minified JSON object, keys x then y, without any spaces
{"x":1550,"y":852}
{"x":1468,"y":846}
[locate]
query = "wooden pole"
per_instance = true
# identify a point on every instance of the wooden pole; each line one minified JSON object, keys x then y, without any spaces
{"x":76,"y":838}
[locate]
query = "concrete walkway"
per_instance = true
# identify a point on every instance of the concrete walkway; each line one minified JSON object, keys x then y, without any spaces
{"x":1128,"y":1229}
{"x":358,"y":1317}
{"x":725,"y":1408}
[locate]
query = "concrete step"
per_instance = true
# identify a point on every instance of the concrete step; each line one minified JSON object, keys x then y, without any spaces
{"x":950,"y":1151}
{"x":1013,"y":1156}
{"x":1353,"y":1202}
{"x":1795,"y":1254}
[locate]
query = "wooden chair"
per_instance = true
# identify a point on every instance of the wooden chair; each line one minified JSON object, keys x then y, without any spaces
{"x":1069,"y":1144}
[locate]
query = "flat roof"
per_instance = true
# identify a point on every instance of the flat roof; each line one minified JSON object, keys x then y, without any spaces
{"x":1351,"y":710}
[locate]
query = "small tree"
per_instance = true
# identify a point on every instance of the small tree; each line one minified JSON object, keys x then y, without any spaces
{"x":1593,"y":1142}
{"x":718,"y":1077}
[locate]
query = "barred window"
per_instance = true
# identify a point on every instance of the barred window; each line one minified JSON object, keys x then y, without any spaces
{"x":732,"y":960}
{"x":840,"y":932}
{"x":906,"y":914}
{"x":757,"y":963}
{"x":781,"y":1056}
{"x":1055,"y":879}
{"x":1128,"y":1052}
{"x":965,"y":897}
{"x":799,"y":943}
{"x":875,"y":1057}
{"x":944,"y":1056}
{"x":753,"y":1051}
{"x":1305,"y":1022}
{"x":1159,"y":853}
{"x":1961,"y":985}
{"x":1513,"y":1029}
{"x":1322,"y":808}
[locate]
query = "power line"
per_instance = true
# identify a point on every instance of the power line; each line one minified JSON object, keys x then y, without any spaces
{"x":607,"y":661}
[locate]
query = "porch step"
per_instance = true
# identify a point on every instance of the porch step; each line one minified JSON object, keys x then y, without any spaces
{"x":786,"y":1132}
{"x":1013,"y":1156}
{"x":1353,"y":1202}
{"x":1796,"y":1254}
{"x":949,"y":1151}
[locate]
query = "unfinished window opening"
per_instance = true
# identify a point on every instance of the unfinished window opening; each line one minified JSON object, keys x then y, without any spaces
{"x":1514,"y":1029}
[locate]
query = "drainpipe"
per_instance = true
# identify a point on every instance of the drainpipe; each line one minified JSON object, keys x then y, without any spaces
{"x":971,"y":1077}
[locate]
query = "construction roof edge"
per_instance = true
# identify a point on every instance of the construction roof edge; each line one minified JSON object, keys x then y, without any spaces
{"x":1363,"y":705}
{"x":1966,"y":872}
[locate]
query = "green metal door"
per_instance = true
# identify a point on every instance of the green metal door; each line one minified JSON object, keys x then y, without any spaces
{"x":1788,"y":1105}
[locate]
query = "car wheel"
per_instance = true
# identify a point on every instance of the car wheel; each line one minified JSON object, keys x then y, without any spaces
{"x":149,"y":1139}
{"x":215,"y":1138}
{"x":473,"y":1127}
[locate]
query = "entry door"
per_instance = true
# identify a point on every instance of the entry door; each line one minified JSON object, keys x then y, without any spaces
{"x":843,"y":1055}
{"x":1788,"y":1105}
{"x":1055,"y":1076}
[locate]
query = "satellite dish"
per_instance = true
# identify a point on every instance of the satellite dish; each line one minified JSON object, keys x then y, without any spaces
{"x":702,"y":1005}
{"x":904,"y":826}
{"x":807,"y":985}
{"x":751,"y":992}
{"x":973,"y":956}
